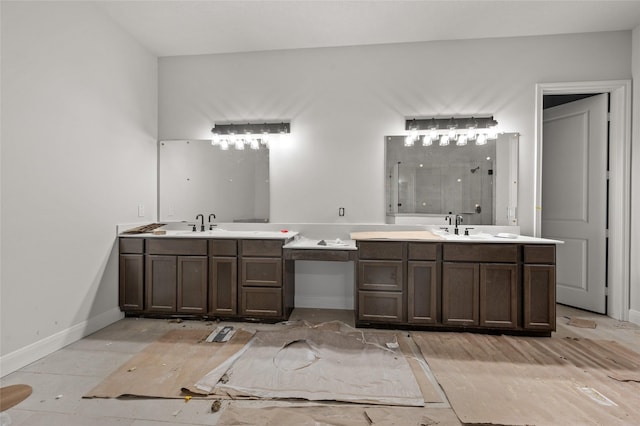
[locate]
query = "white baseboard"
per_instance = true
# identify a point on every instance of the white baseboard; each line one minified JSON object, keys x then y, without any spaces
{"x":634,"y":316}
{"x":324,"y":302}
{"x":24,"y":356}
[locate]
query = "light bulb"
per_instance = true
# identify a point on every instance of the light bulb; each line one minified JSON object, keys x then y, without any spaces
{"x":224,"y":144}
{"x":408,"y":141}
{"x":434,"y":135}
{"x":462,"y":140}
{"x":426,"y":140}
{"x":239,"y":144}
{"x":471,"y":134}
{"x":254,"y":144}
{"x":444,"y":140}
{"x":481,"y":139}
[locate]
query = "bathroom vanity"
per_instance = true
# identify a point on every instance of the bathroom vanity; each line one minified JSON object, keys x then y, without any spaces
{"x":452,"y":285}
{"x":226,"y":275}
{"x":405,"y":280}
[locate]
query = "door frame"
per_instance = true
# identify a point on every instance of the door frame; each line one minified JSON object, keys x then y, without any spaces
{"x":619,"y":180}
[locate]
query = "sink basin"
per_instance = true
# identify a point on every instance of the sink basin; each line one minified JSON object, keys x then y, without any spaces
{"x":454,"y":237}
{"x":223,"y":233}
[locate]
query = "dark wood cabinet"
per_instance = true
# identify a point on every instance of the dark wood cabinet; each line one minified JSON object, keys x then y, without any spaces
{"x":192,"y":284}
{"x":131,"y":274}
{"x":261,"y":302}
{"x":161,"y":283}
{"x":380,"y":306}
{"x":262,"y":287}
{"x":460,"y":294}
{"x":380,"y":282}
{"x":380,"y":275}
{"x":480,"y":285}
{"x":424,"y":283}
{"x":223,"y":286}
{"x":499,"y":295}
{"x":223,"y":277}
{"x":205,"y":277}
{"x":176,"y":276}
{"x":131,"y":282}
{"x":539,"y":287}
{"x":505,"y":287}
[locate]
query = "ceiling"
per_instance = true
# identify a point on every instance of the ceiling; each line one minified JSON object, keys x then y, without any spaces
{"x":180,"y":27}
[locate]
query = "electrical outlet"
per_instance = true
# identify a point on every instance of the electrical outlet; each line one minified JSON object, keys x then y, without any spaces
{"x":140,"y":210}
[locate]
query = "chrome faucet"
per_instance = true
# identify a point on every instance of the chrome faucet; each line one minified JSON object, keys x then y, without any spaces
{"x":211,"y":225}
{"x":201,"y":216}
{"x":458,"y":222}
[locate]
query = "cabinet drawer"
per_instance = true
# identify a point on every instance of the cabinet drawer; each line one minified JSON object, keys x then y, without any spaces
{"x":262,"y":248}
{"x":465,"y":252}
{"x":380,"y":306}
{"x":540,"y":254}
{"x":423,"y":251}
{"x":132,"y":245}
{"x":261,"y":272}
{"x":380,"y":250}
{"x":223,"y":247}
{"x":261,"y":302}
{"x":384,"y":275}
{"x":186,"y":247}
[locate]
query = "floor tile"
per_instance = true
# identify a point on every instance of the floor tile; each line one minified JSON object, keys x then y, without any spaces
{"x":79,"y":362}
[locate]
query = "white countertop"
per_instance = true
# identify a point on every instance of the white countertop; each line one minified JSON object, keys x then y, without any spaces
{"x":219,"y":233}
{"x":437,"y":235}
{"x":309,"y":244}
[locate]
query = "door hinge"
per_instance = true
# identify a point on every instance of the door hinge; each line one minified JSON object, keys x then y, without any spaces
{"x":606,"y":233}
{"x":606,"y":291}
{"x":608,"y":116}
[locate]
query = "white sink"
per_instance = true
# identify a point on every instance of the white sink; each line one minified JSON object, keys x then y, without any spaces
{"x":454,"y":237}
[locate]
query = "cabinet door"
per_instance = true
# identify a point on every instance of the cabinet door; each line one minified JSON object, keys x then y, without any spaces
{"x":423,"y":292}
{"x":161,"y":283}
{"x":192,"y":284}
{"x":131,"y":282}
{"x":539,"y":297}
{"x":261,"y":272}
{"x":499,"y":295}
{"x":223,"y":285}
{"x":380,"y":306}
{"x":261,"y":302}
{"x":460,"y":293}
{"x":382,"y":275}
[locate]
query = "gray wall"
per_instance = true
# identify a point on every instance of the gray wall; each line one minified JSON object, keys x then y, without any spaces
{"x":79,"y":131}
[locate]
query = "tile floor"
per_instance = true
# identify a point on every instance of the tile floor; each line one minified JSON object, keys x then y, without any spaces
{"x":60,"y":379}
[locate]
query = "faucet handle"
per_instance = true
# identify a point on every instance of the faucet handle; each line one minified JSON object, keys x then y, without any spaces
{"x":193,"y":225}
{"x":466,"y":231}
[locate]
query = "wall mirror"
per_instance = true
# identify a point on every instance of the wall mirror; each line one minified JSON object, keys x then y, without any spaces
{"x":196,"y":177}
{"x":425,"y":183}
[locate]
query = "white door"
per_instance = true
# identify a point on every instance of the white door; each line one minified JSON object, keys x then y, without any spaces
{"x":574,"y":198}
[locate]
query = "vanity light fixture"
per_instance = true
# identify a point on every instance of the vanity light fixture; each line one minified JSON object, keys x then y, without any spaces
{"x":462,"y":130}
{"x":252,"y":134}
